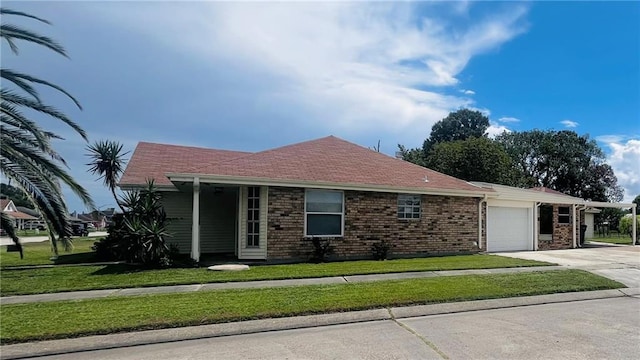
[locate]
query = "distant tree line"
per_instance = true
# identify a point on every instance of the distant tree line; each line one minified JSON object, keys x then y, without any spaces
{"x":573,"y":164}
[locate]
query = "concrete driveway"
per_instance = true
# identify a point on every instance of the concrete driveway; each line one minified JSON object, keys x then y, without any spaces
{"x":620,"y":263}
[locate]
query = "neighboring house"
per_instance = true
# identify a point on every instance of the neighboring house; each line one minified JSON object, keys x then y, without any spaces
{"x":269,"y":205}
{"x":19,"y":218}
{"x":96,"y":219}
{"x":537,"y":218}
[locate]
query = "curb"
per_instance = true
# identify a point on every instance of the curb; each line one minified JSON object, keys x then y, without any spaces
{"x":148,"y":337}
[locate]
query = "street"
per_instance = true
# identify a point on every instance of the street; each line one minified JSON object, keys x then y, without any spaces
{"x":593,"y":329}
{"x":34,"y":239}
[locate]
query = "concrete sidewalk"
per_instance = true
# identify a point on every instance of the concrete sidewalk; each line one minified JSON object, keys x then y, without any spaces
{"x":119,"y":340}
{"x":78,"y":295}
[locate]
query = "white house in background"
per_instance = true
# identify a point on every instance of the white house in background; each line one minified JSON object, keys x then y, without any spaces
{"x":19,"y":218}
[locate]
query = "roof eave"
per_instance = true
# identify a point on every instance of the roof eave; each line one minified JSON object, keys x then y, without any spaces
{"x":241,"y":180}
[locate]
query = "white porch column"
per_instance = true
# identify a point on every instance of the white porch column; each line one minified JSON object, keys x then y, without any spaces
{"x":195,"y":224}
{"x":535,"y":226}
{"x":573,"y":209}
{"x":634,"y":231}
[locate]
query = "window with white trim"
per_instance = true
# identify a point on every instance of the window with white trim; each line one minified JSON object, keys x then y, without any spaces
{"x":564,"y":215}
{"x":409,"y":206}
{"x":253,"y":216}
{"x":324,"y":213}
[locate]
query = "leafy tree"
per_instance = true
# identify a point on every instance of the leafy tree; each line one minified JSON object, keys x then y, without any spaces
{"x":458,"y":125}
{"x":563,"y":161}
{"x":626,"y":226}
{"x":27,"y":157}
{"x":18,"y":196}
{"x":107,"y":161}
{"x":637,"y":202}
{"x":473,"y":159}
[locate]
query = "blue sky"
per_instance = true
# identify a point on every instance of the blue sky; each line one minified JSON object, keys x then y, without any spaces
{"x":251,"y":76}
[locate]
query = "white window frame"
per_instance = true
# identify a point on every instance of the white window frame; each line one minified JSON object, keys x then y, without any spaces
{"x":413,"y":197}
{"x":323,"y":213}
{"x":567,"y":215}
{"x":253,"y":235}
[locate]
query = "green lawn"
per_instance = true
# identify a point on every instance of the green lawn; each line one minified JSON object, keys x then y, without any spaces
{"x":622,"y":239}
{"x":70,"y":278}
{"x":39,"y":321}
{"x":40,"y":253}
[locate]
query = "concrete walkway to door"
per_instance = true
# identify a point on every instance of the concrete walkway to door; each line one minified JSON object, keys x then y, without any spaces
{"x":620,"y":263}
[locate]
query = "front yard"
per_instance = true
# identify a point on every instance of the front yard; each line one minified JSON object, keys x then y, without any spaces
{"x":72,"y":278}
{"x":40,"y":321}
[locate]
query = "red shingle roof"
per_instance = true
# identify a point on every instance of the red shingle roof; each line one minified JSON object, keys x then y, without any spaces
{"x":326,"y":160}
{"x":154,"y":161}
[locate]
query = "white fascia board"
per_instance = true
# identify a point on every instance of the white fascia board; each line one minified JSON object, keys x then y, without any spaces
{"x":601,"y":204}
{"x":232,"y":180}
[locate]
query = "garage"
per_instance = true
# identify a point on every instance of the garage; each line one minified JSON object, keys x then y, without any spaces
{"x":509,"y":229}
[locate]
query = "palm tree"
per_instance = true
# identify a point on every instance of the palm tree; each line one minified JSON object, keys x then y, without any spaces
{"x":108,"y":162}
{"x":26,"y":154}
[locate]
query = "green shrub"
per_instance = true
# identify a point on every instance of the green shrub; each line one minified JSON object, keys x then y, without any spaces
{"x":381,"y":250}
{"x":625,"y":225}
{"x":321,"y":250}
{"x":138,"y":235}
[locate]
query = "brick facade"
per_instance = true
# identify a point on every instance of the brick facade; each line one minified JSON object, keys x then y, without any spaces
{"x":562,"y":237}
{"x":447,"y":225}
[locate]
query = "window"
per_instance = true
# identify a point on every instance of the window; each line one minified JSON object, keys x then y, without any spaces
{"x":408,"y":206}
{"x":564,"y":216}
{"x":324,"y":213}
{"x":253,"y":216}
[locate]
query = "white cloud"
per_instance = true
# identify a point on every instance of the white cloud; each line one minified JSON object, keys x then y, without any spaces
{"x":569,"y":123}
{"x":468,"y":92}
{"x":508,"y":119}
{"x":496,"y":129}
{"x":363,"y":65}
{"x":624,"y":158}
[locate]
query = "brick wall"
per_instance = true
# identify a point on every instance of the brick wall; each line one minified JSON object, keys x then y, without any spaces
{"x":447,"y":225}
{"x":562,"y":237}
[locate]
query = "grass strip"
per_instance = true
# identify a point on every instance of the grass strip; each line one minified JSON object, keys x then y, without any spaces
{"x":624,"y":240}
{"x":41,"y":321}
{"x":60,"y":279}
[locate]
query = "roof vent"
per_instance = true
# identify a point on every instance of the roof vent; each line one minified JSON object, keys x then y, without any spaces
{"x":426,"y":179}
{"x":399,"y":155}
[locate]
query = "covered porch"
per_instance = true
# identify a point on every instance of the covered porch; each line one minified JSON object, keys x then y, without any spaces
{"x":217,"y":221}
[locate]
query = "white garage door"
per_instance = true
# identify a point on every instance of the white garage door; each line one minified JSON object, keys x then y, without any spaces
{"x":508,"y":229}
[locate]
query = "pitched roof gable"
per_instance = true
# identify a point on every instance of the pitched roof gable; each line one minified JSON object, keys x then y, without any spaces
{"x":154,"y":161}
{"x":334,"y":161}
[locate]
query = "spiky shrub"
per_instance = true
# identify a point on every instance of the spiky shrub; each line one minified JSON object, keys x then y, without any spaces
{"x":139,"y":234}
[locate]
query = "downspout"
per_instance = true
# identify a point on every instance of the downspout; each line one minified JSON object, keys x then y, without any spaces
{"x":573,"y":208}
{"x":580,"y":208}
{"x":536,"y":236}
{"x":484,"y":200}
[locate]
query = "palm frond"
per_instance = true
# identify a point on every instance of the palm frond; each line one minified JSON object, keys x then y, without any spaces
{"x":22,"y":81}
{"x":13,"y":98}
{"x":10,"y":32}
